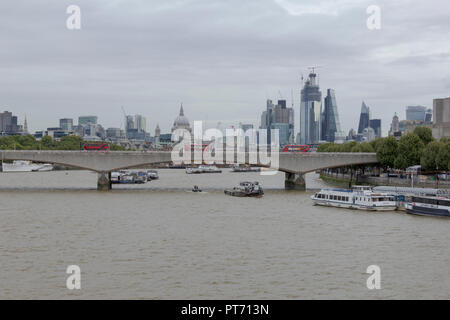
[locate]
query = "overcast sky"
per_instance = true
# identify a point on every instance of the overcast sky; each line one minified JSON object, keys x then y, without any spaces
{"x":222,"y":59}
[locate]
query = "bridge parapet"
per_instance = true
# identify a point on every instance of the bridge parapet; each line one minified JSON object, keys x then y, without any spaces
{"x":104,"y":162}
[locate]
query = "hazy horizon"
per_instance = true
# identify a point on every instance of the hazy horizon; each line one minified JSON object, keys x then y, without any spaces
{"x":223,"y":60}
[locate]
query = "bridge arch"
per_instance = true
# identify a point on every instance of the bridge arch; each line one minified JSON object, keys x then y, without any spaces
{"x":295,"y":165}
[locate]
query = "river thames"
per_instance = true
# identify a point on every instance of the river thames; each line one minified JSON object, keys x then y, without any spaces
{"x":161,"y":241}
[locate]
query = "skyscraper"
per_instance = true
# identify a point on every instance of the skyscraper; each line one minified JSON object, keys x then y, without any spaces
{"x":85,"y":120}
{"x":331,"y":127}
{"x":417,"y":113}
{"x":140,"y":122}
{"x":8,"y":124}
{"x":429,"y":116}
{"x":441,"y":118}
{"x":375,"y":124}
{"x":310,"y":111}
{"x":135,"y":127}
{"x":66,"y":124}
{"x":364,"y":118}
{"x":280,"y":118}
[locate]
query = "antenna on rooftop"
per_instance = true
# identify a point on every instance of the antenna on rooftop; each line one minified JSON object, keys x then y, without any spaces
{"x":292,"y":97}
{"x":313,"y":68}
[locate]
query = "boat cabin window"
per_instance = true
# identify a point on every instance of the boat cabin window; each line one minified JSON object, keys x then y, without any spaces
{"x":444,"y":203}
{"x":425,"y":200}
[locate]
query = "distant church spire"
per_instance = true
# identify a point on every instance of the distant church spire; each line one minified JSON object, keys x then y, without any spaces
{"x":25,"y":125}
{"x":181,"y":110}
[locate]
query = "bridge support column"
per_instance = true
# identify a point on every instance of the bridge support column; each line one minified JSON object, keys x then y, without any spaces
{"x":294,"y":181}
{"x":104,"y":181}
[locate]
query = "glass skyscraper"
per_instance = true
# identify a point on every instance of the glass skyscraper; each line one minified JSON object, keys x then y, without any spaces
{"x":85,"y":120}
{"x":278,"y":117}
{"x":416,"y":113}
{"x":364,"y":118}
{"x":310,"y":111}
{"x":331,"y":127}
{"x":375,"y":124}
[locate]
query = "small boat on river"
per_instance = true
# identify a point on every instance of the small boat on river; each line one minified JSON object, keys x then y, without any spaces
{"x":246,"y":189}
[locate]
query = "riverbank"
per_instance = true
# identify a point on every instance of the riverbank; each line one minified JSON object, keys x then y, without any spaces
{"x":344,"y":179}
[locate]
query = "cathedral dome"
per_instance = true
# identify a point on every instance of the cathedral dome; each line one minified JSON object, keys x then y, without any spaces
{"x":181,"y":122}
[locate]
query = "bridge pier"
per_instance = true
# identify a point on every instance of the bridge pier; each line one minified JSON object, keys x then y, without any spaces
{"x":294,"y":181}
{"x":104,"y":181}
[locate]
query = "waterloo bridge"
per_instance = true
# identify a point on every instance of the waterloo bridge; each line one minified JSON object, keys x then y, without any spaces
{"x":295,"y":165}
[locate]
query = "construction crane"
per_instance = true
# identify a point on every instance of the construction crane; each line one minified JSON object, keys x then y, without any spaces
{"x":313,"y":68}
{"x":292,"y":96}
{"x":279,"y":93}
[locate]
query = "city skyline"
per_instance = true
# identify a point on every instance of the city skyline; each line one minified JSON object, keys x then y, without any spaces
{"x":120,"y":58}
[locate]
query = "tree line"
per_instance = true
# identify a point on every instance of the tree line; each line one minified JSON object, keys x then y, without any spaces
{"x":29,"y":142}
{"x":417,"y":147}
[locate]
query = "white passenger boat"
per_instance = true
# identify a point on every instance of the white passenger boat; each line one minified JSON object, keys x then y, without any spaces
{"x":191,"y":170}
{"x":209,"y":169}
{"x":26,"y":166}
{"x":429,"y":206}
{"x":359,"y":198}
{"x":203,"y":169}
{"x":238,"y":168}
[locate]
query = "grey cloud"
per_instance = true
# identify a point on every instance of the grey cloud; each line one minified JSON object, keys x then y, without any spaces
{"x":221,"y":58}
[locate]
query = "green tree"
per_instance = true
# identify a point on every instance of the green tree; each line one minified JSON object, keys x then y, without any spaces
{"x":47,"y":143}
{"x":387,"y":152}
{"x":425,"y":134}
{"x":410,"y":149}
{"x":443,"y":157}
{"x":324,"y":147}
{"x":366,"y":147}
{"x":347,"y":147}
{"x":70,"y":143}
{"x":428,"y":161}
{"x":375,"y":143}
{"x":401,"y":162}
{"x":115,"y":147}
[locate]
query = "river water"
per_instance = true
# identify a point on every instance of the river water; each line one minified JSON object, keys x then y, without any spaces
{"x":161,"y":241}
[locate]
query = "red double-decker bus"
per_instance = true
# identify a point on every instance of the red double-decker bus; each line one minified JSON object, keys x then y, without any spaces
{"x":296,"y":148}
{"x":197,"y":147}
{"x":93,"y":146}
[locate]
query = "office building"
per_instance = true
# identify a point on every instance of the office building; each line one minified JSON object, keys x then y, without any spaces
{"x":429,"y":116}
{"x":375,"y":124}
{"x":9,"y":125}
{"x":278,"y":117}
{"x":136,"y":127}
{"x":331,"y":126}
{"x":85,"y":120}
{"x":310,"y":111}
{"x":364,"y":118}
{"x":66,"y":124}
{"x":141,"y":123}
{"x":115,"y":133}
{"x":416,"y":113}
{"x":441,"y":118}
